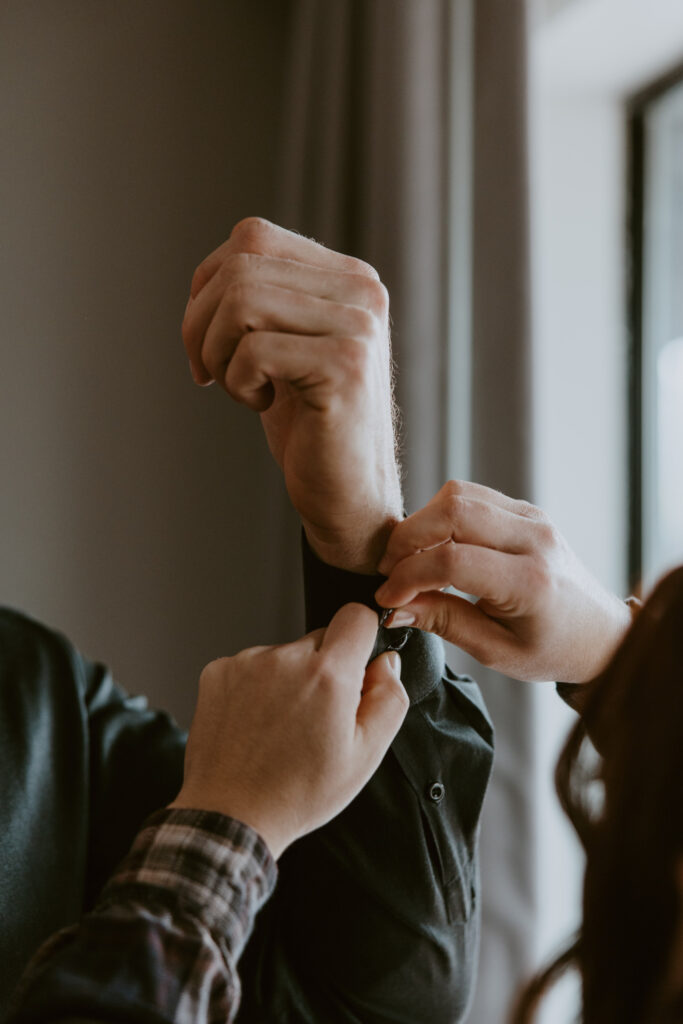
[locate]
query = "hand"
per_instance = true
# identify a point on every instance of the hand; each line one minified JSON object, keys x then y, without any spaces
{"x":539,"y":613}
{"x":301,"y":335}
{"x":284,"y":737}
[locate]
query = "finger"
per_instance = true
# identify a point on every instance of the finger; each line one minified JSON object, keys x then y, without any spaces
{"x":192,"y":323}
{"x":463,"y":624}
{"x":256,"y":235}
{"x":310,"y":642}
{"x":465,"y":520}
{"x":207,"y":268}
{"x":243,"y":271}
{"x":477,"y":492}
{"x":469,"y":489}
{"x":383,"y":706}
{"x":501,"y":578}
{"x":303,"y":361}
{"x":349,"y":640}
{"x":267,"y":308}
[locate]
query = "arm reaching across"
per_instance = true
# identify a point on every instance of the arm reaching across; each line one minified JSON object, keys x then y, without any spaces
{"x":282,"y":740}
{"x":300,"y":334}
{"x":539,"y":613}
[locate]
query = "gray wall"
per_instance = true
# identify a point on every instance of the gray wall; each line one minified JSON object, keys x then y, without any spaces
{"x":136,"y":510}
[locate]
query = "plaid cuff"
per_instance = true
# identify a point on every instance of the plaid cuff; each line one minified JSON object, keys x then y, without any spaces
{"x":201,"y":863}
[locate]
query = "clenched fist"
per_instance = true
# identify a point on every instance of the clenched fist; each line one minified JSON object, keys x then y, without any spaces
{"x":300,"y":334}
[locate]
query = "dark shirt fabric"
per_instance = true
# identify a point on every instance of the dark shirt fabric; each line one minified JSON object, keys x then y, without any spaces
{"x":375,"y":917}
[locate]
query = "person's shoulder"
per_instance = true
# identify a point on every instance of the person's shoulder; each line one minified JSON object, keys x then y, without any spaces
{"x":17,"y":625}
{"x":29,"y":647}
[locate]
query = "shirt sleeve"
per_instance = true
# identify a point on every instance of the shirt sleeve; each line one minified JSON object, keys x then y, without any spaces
{"x":376,"y":914}
{"x":83,"y":764}
{"x":163,"y":942}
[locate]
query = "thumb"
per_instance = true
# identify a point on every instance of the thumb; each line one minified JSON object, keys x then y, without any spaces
{"x":383,"y":705}
{"x":456,"y":620}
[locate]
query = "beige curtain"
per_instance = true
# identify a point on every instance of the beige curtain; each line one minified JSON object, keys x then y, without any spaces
{"x":404,"y":142}
{"x":145,"y":517}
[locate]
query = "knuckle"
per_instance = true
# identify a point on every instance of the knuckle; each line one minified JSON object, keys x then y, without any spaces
{"x":525,"y":508}
{"x":455,"y":506}
{"x":326,"y":676}
{"x":364,"y":269}
{"x":440,"y":621}
{"x":376,"y":296}
{"x":354,"y":358}
{"x":547,"y":536}
{"x":540,"y":576}
{"x":454,"y":555}
{"x":198,"y":279}
{"x":238,"y":300}
{"x":250,"y":234}
{"x":212,"y":673}
{"x":452,"y":488}
{"x":361,"y":323}
{"x":238,"y":264}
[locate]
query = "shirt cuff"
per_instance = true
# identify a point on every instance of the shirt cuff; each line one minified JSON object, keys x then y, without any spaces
{"x":327,"y":589}
{"x":201,"y":863}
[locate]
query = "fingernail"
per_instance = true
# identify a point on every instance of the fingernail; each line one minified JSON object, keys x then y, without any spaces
{"x":395,"y":663}
{"x":380,"y":592}
{"x":400,"y":618}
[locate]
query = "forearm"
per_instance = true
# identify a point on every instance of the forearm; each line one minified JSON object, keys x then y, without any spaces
{"x":164,"y":940}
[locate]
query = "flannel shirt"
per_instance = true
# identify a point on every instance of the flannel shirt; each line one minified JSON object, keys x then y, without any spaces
{"x":163,"y":942}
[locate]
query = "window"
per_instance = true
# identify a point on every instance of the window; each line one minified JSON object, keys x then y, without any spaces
{"x":657,"y":304}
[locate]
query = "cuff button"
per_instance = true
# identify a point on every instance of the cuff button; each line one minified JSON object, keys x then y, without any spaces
{"x":398,"y":642}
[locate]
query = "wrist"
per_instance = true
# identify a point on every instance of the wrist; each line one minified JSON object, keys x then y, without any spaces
{"x":621,"y":619}
{"x":359,"y":548}
{"x":189,"y":800}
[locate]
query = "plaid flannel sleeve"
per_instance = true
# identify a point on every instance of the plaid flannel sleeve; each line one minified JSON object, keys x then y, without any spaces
{"x":164,"y":940}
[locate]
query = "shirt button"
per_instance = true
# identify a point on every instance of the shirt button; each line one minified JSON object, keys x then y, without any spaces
{"x":437,"y":791}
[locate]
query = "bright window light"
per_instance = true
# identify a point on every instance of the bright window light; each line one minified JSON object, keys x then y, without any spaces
{"x":670,"y":453}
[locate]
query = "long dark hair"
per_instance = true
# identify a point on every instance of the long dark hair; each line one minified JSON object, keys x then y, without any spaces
{"x":627,"y":808}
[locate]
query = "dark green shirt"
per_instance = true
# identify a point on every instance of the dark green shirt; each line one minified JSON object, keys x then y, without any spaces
{"x":375,"y":917}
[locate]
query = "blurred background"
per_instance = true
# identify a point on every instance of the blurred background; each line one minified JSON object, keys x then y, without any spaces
{"x":515,"y":173}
